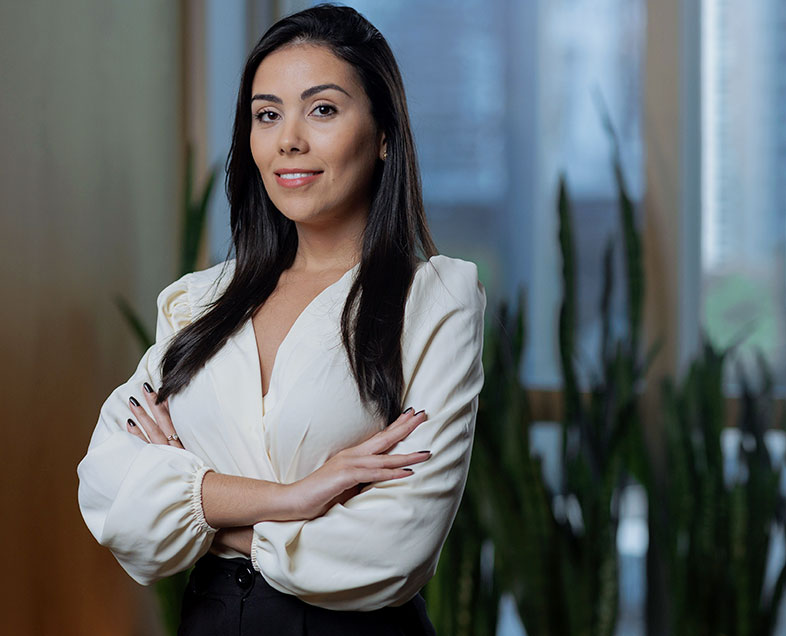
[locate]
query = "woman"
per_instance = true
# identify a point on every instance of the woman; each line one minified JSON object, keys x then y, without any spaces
{"x":276,"y":454}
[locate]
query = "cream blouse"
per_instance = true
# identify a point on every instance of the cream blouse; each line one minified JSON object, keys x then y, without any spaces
{"x":143,"y":501}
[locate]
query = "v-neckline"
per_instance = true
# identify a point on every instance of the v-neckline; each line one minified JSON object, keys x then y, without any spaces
{"x":285,"y":339}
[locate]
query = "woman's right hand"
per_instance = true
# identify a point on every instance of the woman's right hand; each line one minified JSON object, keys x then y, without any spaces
{"x":342,"y":476}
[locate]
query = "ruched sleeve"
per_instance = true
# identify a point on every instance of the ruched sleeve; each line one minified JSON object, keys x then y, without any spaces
{"x":143,"y":501}
{"x":383,"y":545}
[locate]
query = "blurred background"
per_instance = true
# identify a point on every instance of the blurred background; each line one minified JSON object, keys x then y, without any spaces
{"x":662,"y":123}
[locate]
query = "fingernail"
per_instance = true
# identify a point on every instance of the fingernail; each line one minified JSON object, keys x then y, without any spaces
{"x":420,"y":411}
{"x":131,"y":422}
{"x":147,"y":387}
{"x":424,"y":451}
{"x":409,"y":470}
{"x":133,"y":401}
{"x":407,"y":410}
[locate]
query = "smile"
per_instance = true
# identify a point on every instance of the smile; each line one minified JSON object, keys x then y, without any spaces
{"x":296,"y":179}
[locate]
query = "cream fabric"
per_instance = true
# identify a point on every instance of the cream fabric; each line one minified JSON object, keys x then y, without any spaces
{"x":143,"y":501}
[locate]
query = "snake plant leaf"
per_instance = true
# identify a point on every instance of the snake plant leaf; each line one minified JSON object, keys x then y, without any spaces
{"x":194,"y":214}
{"x":143,"y":337}
{"x":719,"y":528}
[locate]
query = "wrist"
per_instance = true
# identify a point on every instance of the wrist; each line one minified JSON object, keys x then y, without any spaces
{"x":231,"y":501}
{"x":291,"y":502}
{"x":238,"y":539}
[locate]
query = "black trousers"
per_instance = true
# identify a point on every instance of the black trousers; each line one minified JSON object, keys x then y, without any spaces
{"x":227,"y":596}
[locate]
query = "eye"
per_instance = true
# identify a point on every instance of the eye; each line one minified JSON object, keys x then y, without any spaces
{"x":325,"y":110}
{"x":265,"y":116}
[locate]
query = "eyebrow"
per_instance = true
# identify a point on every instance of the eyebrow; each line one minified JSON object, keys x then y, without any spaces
{"x":304,"y":95}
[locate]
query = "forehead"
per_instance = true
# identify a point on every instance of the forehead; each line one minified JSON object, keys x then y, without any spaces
{"x":297,"y":66}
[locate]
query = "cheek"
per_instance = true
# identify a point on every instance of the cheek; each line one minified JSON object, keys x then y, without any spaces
{"x":355,"y":154}
{"x":261,"y":160}
{"x":263,"y":148}
{"x":256,"y":150}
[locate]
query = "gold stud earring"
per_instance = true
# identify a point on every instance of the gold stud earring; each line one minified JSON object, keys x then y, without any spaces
{"x":384,"y":155}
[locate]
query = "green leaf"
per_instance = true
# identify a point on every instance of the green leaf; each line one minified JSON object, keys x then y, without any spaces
{"x":143,"y":337}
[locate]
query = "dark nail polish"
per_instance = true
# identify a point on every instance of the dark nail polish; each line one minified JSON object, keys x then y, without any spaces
{"x":409,"y":470}
{"x":424,"y":451}
{"x":133,"y":401}
{"x":407,"y":410}
{"x":147,"y":387}
{"x":131,"y":422}
{"x":420,"y":411}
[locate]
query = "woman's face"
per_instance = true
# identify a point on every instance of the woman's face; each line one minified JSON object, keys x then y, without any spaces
{"x":313,"y":137}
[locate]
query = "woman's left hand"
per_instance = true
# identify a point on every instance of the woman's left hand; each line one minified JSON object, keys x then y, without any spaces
{"x":159,"y":430}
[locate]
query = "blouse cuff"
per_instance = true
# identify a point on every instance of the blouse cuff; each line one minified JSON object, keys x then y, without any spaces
{"x":254,"y":562}
{"x":196,"y":501}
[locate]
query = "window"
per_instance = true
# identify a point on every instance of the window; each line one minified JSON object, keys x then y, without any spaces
{"x":743,"y":261}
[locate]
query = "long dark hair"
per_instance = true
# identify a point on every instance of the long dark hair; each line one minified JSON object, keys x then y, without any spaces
{"x":265,"y":241}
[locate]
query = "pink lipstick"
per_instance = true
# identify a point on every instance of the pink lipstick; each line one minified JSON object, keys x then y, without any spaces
{"x":296,"y":177}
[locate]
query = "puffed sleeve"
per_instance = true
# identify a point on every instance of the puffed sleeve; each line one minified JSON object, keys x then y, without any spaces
{"x":383,"y":545}
{"x":144,"y":501}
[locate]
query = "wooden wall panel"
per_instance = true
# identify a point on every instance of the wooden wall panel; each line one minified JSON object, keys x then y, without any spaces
{"x":90,"y":172}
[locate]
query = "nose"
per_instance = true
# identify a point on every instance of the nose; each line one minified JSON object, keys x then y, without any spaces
{"x":292,"y":137}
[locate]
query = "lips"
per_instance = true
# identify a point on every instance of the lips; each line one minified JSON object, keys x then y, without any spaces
{"x":286,"y":171}
{"x":296,"y":177}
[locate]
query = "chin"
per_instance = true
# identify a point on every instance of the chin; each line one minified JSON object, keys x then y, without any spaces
{"x":302,"y":216}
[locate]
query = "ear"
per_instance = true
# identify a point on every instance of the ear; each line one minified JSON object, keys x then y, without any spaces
{"x":383,"y":147}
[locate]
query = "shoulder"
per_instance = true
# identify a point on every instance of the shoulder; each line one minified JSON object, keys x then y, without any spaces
{"x":447,"y":282}
{"x":183,"y":300}
{"x":444,"y":286}
{"x":446,"y":306}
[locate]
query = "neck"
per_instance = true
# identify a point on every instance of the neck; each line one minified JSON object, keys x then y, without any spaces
{"x":329,"y":247}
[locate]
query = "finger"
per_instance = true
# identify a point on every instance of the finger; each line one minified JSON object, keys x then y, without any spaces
{"x":405,"y":416}
{"x":161,"y":415}
{"x":147,"y":423}
{"x":374,"y":477}
{"x":132,"y":428}
{"x":394,"y":461}
{"x":387,"y":474}
{"x":372,"y":468}
{"x":385,"y":440}
{"x":160,"y":411}
{"x":399,"y":426}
